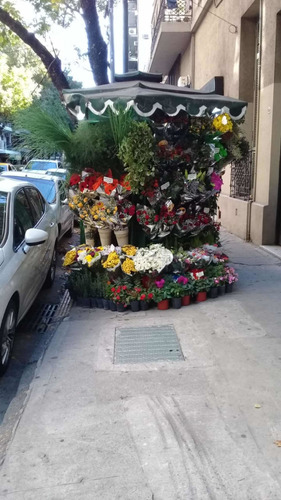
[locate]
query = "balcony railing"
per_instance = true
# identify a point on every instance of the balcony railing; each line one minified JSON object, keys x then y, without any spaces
{"x":161,"y":13}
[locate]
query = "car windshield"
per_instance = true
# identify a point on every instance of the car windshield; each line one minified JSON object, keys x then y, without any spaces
{"x":46,"y":187}
{"x":3,"y":167}
{"x":40,"y":165}
{"x":3,"y":209}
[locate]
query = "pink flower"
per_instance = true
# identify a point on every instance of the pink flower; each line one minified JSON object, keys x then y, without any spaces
{"x":217,"y":181}
{"x":160,"y":283}
{"x":182,"y":280}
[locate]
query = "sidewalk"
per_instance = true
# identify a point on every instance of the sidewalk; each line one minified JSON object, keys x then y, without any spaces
{"x":182,"y":430}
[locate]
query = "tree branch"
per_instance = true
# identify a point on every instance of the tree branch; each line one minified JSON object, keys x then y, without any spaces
{"x":51,"y":63}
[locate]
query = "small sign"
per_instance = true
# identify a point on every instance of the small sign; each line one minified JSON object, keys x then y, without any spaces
{"x":206,"y":210}
{"x":165,"y":186}
{"x":200,"y":275}
{"x":108,"y":180}
{"x":192,"y":177}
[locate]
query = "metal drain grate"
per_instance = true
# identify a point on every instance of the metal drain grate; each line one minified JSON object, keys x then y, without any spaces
{"x":148,"y":344}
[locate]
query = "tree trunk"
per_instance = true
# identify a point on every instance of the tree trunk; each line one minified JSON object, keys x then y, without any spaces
{"x":97,"y":48}
{"x":51,"y":63}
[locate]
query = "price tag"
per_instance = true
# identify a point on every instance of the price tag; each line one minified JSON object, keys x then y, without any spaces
{"x":165,"y":186}
{"x":192,"y":177}
{"x":206,"y":210}
{"x":200,"y":275}
{"x":210,"y":170}
{"x":108,"y":180}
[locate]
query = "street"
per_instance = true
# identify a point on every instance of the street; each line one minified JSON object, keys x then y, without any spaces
{"x":205,"y":427}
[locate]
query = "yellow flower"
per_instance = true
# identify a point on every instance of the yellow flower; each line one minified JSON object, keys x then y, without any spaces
{"x":85,"y":200}
{"x":80,"y":205}
{"x":88,"y":258}
{"x":223,"y":123}
{"x":69,"y":257}
{"x":111,"y":261}
{"x":129,"y":250}
{"x":95,"y":217}
{"x":128,"y":266}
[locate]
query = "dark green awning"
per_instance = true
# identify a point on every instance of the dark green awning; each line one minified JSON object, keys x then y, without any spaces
{"x":146,"y":98}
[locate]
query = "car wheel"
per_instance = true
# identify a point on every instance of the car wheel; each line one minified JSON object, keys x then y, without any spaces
{"x":7,"y":335}
{"x":69,"y":232}
{"x":52,"y":270}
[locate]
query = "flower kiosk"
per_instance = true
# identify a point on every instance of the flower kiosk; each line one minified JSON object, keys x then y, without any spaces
{"x":149,"y":214}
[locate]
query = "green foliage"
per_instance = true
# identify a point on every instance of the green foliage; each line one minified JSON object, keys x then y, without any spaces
{"x":137,"y":152}
{"x":80,"y":283}
{"x":120,"y":125}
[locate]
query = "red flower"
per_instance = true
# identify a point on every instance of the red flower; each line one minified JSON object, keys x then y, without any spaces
{"x":117,"y":297}
{"x":118,"y":289}
{"x":142,"y":297}
{"x":138,"y":219}
{"x":124,"y":287}
{"x":82,"y":186}
{"x":132,"y":210}
{"x":74,"y":179}
{"x":156,"y":218}
{"x":150,"y":296}
{"x":113,"y":289}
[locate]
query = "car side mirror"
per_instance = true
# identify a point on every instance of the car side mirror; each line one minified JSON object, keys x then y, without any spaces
{"x":35,"y":237}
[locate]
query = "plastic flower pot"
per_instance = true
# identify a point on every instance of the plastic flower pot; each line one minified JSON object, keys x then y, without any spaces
{"x":122,"y":237}
{"x":105,"y":236}
{"x":144,"y":305}
{"x":135,"y":305}
{"x":222,"y":289}
{"x":93,"y":302}
{"x":176,"y":302}
{"x":163,"y":305}
{"x":201,"y":296}
{"x":213,"y":292}
{"x":228,"y":287}
{"x":99,"y":302}
{"x":113,"y":306}
{"x":105,"y":304}
{"x":83,"y":301}
{"x":120,"y":307}
{"x":185,"y":301}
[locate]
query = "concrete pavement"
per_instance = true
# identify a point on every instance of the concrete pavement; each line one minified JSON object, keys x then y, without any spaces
{"x":202,"y":428}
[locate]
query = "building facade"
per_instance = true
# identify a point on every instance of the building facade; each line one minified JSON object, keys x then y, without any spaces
{"x":194,"y":42}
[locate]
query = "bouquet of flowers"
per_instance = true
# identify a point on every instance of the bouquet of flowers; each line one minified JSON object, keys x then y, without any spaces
{"x":153,"y":258}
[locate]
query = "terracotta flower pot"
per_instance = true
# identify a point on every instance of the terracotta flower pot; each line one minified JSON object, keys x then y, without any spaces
{"x":201,"y":296}
{"x":185,"y":301}
{"x":122,"y":236}
{"x":105,"y":236}
{"x":176,"y":302}
{"x":163,"y":305}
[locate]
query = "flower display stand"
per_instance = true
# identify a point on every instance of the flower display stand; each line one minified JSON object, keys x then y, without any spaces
{"x":122,"y":236}
{"x":105,"y":236}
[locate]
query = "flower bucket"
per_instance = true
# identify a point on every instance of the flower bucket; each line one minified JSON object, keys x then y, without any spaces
{"x":99,"y":302}
{"x":222,"y":290}
{"x":213,"y":292}
{"x":144,"y":305}
{"x":185,"y":301}
{"x":105,"y":236}
{"x":163,"y":305}
{"x":201,"y":296}
{"x":228,"y":287}
{"x":135,"y":305}
{"x":113,"y":306}
{"x":93,"y":302}
{"x":176,"y":302}
{"x":89,"y":235}
{"x":120,"y":307}
{"x":122,"y":237}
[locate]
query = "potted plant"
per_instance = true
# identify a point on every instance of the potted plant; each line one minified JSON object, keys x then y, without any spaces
{"x":120,"y":296}
{"x":161,"y":294}
{"x":80,"y":283}
{"x":215,"y":283}
{"x":134,"y":298}
{"x":176,"y":292}
{"x":145,"y":299}
{"x":187,"y":287}
{"x":201,"y":287}
{"x":231,"y":277}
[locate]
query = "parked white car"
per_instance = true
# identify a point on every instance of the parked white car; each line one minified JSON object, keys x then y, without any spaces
{"x":28,"y":237}
{"x":7,"y":167}
{"x":38,"y":164}
{"x":53,"y":189}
